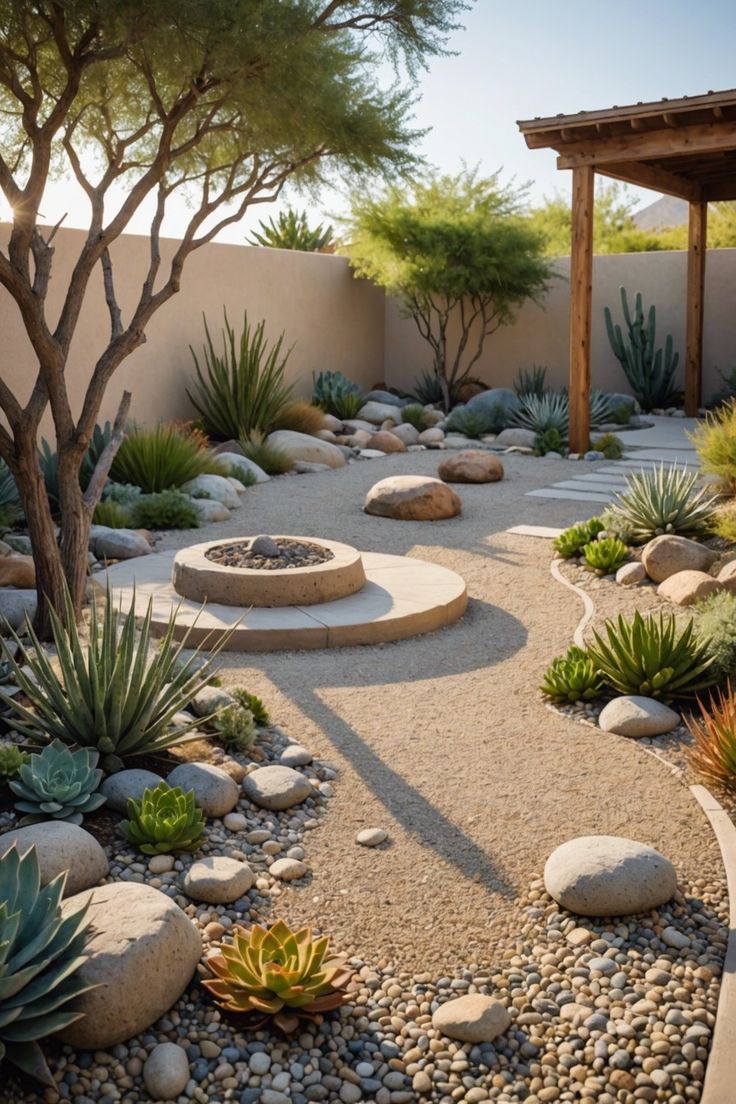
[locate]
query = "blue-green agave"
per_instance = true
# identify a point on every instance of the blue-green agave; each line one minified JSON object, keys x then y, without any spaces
{"x":58,"y":784}
{"x":40,"y":954}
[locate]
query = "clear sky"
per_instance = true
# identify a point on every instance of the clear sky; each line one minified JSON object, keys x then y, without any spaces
{"x":516,"y":60}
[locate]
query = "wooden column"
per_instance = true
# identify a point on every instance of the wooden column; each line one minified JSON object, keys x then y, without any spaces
{"x":696,"y":240}
{"x":581,"y":281}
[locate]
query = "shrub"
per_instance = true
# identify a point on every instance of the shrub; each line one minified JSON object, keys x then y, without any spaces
{"x":302,"y":417}
{"x":11,"y":760}
{"x":337,"y":395}
{"x":254,"y":703}
{"x":713,"y":752}
{"x":235,"y":727}
{"x":165,"y":819}
{"x":621,"y":415}
{"x":244,"y":390}
{"x":475,"y":423}
{"x":715,"y":441}
{"x":58,"y":784}
{"x":166,"y":510}
{"x":40,"y":955}
{"x":126,"y":494}
{"x":572,"y":677}
{"x":112,"y":514}
{"x":715,"y":622}
{"x":531,"y":382}
{"x":572,"y":540}
{"x":272,"y":460}
{"x":663,"y":500}
{"x":117,"y":695}
{"x":610,"y":445}
{"x":606,"y":555}
{"x":549,"y":441}
{"x":415,"y":415}
{"x":723,"y":523}
{"x":278,"y":973}
{"x":161,"y":458}
{"x":653,"y":656}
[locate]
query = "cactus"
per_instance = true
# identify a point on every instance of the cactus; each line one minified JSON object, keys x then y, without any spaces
{"x":650,"y":371}
{"x":58,"y":784}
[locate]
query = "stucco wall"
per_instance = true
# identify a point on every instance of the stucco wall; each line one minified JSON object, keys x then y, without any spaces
{"x":333,"y":320}
{"x":540,"y":334}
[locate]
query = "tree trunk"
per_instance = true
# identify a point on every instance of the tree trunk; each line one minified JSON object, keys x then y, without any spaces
{"x":41,"y":529}
{"x":75,"y":522}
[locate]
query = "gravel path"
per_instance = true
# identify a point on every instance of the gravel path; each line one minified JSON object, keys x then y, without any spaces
{"x":443,"y":740}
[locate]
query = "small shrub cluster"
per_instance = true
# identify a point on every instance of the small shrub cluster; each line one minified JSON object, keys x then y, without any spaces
{"x":272,"y":460}
{"x":715,"y":441}
{"x":337,"y":395}
{"x":610,"y":445}
{"x":415,"y":415}
{"x":165,"y":510}
{"x":715,"y":621}
{"x":573,"y":540}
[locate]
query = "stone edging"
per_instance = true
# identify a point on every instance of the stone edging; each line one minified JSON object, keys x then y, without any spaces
{"x":579,"y":634}
{"x":720,"y":1070}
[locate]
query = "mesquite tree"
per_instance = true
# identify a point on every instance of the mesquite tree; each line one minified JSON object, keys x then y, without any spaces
{"x":460,"y":256}
{"x":142,"y":100}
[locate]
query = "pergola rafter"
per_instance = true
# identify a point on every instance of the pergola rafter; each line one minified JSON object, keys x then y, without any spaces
{"x":684,"y":148}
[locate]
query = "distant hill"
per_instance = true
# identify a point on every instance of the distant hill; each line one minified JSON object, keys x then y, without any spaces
{"x":664,"y":212}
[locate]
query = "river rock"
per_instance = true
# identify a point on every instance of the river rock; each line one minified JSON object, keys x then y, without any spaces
{"x":142,"y":955}
{"x":214,"y":790}
{"x":407,"y":433}
{"x":473,"y":1018}
{"x":412,"y":498}
{"x":17,"y":571}
{"x":166,"y":1071}
{"x":386,"y":441}
{"x":288,"y":869}
{"x":377,"y":413}
{"x":302,"y":446}
{"x":432,"y":437}
{"x":668,"y":554}
{"x":276,"y":787}
{"x":218,"y":487}
{"x":516,"y":437}
{"x":631,"y":574}
{"x":633,"y":715}
{"x":294,"y":755}
{"x":331,"y":423}
{"x":118,"y":788}
{"x":209,"y":510}
{"x":471,"y":466}
{"x":608,"y":876}
{"x":245,"y":468}
{"x":61,"y":846}
{"x":210,"y":699}
{"x":15,"y":606}
{"x":218,"y":880}
{"x":687,"y":587}
{"x":371,"y":837}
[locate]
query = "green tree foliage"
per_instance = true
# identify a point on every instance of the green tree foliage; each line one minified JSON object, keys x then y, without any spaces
{"x":452,"y":247}
{"x":219,"y":101}
{"x":291,"y":230}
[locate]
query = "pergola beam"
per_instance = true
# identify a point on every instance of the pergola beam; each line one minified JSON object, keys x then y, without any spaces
{"x":647,"y":176}
{"x":581,"y":291}
{"x":642,"y":145}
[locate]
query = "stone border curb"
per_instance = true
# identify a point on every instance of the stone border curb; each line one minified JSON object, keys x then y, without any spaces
{"x":720,"y":1070}
{"x":579,"y":634}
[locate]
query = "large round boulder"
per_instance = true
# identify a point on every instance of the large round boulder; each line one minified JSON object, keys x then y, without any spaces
{"x":142,"y":955}
{"x":608,"y":876}
{"x":302,"y":446}
{"x":61,"y":846}
{"x":687,"y":587}
{"x":637,"y":716}
{"x":668,"y":554}
{"x":214,"y":790}
{"x":412,"y":498}
{"x":276,"y":787}
{"x":471,"y":466}
{"x":498,"y":399}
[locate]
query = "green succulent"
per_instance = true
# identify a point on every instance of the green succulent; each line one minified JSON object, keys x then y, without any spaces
{"x":664,"y":500}
{"x":610,"y":445}
{"x":235,"y":727}
{"x":11,"y":760}
{"x":253,"y":702}
{"x":653,"y":656}
{"x":605,"y":555}
{"x":58,"y":784}
{"x":531,"y":381}
{"x":474,"y":423}
{"x":551,"y":410}
{"x":415,"y":415}
{"x":280,"y":973}
{"x":549,"y":441}
{"x":572,"y":677}
{"x":572,"y":540}
{"x":117,"y":693}
{"x":165,"y":819}
{"x":334,"y":393}
{"x":40,"y":955}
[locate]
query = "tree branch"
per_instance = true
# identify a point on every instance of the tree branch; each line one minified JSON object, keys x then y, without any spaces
{"x":104,"y":463}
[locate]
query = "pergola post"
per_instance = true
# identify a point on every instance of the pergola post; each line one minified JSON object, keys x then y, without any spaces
{"x":581,"y":293}
{"x":696,"y":243}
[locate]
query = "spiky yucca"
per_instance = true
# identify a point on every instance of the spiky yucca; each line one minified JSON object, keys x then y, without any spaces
{"x":40,"y":954}
{"x":664,"y":500}
{"x":278,"y":973}
{"x":164,"y":819}
{"x":572,"y":677}
{"x":653,"y":656}
{"x":713,"y":753}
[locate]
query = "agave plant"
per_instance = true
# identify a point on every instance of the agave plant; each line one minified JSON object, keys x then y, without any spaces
{"x":572,"y":677}
{"x":605,"y":556}
{"x":244,"y":389}
{"x":572,"y":540}
{"x":653,"y":656}
{"x":713,"y":752}
{"x":334,"y":393}
{"x":542,"y":412}
{"x":40,"y":955}
{"x":664,"y":500}
{"x":116,"y":694}
{"x":165,"y":819}
{"x":531,"y":381}
{"x":280,"y":973}
{"x":291,"y":230}
{"x":58,"y":784}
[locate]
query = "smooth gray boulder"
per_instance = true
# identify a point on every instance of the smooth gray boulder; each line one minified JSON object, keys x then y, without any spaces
{"x":376,"y":413}
{"x":218,"y":487}
{"x":117,"y":544}
{"x":243,"y":466}
{"x":608,"y":876}
{"x":15,"y":605}
{"x":276,"y":787}
{"x":215,"y":791}
{"x":302,"y":446}
{"x":502,"y":397}
{"x":386,"y":397}
{"x":637,"y":716}
{"x":118,"y":788}
{"x":61,"y":846}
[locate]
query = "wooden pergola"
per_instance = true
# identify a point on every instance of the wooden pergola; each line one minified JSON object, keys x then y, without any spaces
{"x":684,"y":148}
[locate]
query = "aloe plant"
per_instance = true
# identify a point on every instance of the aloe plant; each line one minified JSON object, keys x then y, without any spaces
{"x":572,"y":540}
{"x":653,"y":656}
{"x":41,"y":951}
{"x":278,"y":973}
{"x":164,"y":819}
{"x":58,"y":784}
{"x":664,"y":500}
{"x":572,"y":677}
{"x":605,"y":556}
{"x":118,"y":694}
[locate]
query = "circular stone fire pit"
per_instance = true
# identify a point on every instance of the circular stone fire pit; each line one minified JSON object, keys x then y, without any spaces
{"x":217,"y":571}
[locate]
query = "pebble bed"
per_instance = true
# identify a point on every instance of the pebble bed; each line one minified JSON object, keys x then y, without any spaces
{"x":292,"y":554}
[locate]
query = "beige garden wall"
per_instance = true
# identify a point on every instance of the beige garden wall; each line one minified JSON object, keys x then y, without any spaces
{"x":333,"y":320}
{"x":540,"y":334}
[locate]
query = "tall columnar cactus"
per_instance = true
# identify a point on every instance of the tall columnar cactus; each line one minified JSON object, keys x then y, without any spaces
{"x":650,"y":371}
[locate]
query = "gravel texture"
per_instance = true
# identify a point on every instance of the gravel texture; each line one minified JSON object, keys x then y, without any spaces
{"x":291,"y":554}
